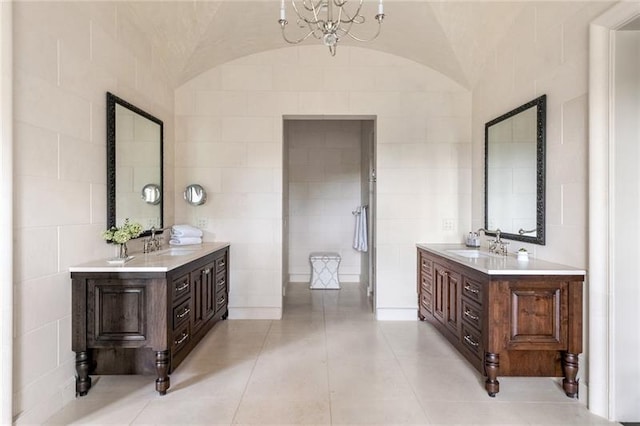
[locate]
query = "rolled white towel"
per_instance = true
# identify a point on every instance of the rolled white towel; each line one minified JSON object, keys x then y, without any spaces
{"x":185,"y":231}
{"x":185,"y":241}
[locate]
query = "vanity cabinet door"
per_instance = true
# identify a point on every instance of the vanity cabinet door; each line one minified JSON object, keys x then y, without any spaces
{"x":203,"y":297}
{"x":446,"y":303}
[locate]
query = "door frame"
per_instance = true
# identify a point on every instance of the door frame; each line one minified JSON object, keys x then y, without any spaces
{"x":285,"y":198}
{"x":601,"y":144}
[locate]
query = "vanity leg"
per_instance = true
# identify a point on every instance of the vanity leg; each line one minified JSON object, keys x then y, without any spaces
{"x":162,"y":368}
{"x":83,"y":381}
{"x":570,"y":367}
{"x":491,"y":366}
{"x":225,"y":315}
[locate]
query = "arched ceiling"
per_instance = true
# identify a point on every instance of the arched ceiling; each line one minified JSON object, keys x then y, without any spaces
{"x":452,"y":37}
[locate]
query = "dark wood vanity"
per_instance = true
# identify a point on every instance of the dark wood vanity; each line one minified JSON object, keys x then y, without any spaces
{"x":513,"y":320}
{"x":139,"y":319}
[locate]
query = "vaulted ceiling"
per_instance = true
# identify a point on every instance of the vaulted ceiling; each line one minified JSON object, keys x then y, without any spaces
{"x":453,"y":37}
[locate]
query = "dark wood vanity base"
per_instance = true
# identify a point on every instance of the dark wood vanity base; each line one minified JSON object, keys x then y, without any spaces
{"x":505,"y":325}
{"x":145,"y":322}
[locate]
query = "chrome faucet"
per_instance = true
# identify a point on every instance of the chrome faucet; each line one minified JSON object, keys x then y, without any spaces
{"x":153,"y":243}
{"x":496,"y":246}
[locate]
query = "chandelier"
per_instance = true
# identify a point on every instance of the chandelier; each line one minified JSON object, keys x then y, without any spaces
{"x":327,"y":20}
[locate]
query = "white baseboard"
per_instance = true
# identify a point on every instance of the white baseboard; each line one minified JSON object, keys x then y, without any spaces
{"x":255,"y":313}
{"x":306,"y":278}
{"x":397,"y":314}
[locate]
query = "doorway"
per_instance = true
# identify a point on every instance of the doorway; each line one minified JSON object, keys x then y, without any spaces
{"x":328,"y":180}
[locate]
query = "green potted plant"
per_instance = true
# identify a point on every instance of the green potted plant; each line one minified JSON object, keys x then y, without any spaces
{"x":121,"y":235}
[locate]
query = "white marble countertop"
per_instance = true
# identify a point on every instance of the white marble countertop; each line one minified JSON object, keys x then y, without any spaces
{"x":494,"y":264}
{"x":159,"y":261}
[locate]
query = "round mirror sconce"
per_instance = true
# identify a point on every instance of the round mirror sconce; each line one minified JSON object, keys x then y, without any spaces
{"x":151,"y":193}
{"x":195,"y":195}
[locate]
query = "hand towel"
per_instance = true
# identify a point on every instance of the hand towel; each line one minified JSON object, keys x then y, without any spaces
{"x":185,"y":241}
{"x":185,"y":231}
{"x":360,"y":242}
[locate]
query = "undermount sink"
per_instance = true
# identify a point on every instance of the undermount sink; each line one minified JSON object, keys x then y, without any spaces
{"x":470,"y":253}
{"x":175,"y":252}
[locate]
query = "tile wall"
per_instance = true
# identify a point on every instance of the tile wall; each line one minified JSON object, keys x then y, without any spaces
{"x":66,"y":57}
{"x":545,"y":51}
{"x":229,"y":132}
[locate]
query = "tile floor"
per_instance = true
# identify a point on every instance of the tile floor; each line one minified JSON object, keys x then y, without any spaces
{"x":326,"y":362}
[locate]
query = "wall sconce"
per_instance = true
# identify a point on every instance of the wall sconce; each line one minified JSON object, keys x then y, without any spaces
{"x":195,"y":195}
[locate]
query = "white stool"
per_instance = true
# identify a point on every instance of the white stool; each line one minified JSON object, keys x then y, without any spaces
{"x":324,"y":270}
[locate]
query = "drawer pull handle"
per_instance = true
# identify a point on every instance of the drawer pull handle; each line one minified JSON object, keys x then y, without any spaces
{"x":221,"y":301}
{"x":471,"y":289}
{"x":470,"y":341}
{"x":222,"y":283}
{"x":183,"y":286}
{"x":468,"y":314}
{"x":222,"y":264}
{"x":184,"y":313}
{"x":182,"y":338}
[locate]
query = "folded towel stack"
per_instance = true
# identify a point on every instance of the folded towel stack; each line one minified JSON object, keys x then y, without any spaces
{"x":183,"y":235}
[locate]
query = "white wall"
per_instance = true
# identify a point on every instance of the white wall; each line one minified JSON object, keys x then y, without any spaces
{"x":6,"y":212}
{"x":626,"y":227}
{"x":324,"y":188}
{"x":67,"y":55}
{"x":229,"y":138}
{"x":545,"y":50}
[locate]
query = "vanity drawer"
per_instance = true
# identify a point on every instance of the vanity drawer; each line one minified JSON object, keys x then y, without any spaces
{"x":221,"y":283}
{"x":181,"y":313}
{"x":471,"y":313}
{"x":426,"y":283}
{"x":472,"y":341}
{"x":472,"y":290}
{"x":181,"y":337}
{"x":180,"y":287}
{"x":425,"y":264}
{"x":221,"y":301}
{"x":221,"y":264}
{"x":425,"y":301}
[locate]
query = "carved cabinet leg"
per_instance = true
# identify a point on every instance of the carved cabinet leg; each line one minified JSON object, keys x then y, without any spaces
{"x":83,"y":381}
{"x":162,"y":368}
{"x":570,"y":367}
{"x":491,"y":366}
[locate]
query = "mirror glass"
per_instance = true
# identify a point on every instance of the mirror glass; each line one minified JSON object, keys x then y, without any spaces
{"x":134,"y":165}
{"x":515,"y":173}
{"x":195,"y":195}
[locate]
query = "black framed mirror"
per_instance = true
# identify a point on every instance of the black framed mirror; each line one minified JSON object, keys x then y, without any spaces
{"x":134,"y":164}
{"x":515,"y":173}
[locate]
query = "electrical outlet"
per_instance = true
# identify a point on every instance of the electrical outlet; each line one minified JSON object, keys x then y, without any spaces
{"x":202,"y":222}
{"x":448,"y":225}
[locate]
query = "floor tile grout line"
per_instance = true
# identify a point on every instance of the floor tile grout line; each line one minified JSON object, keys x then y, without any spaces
{"x":255,"y":362}
{"x":140,"y":412}
{"x":404,"y":374}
